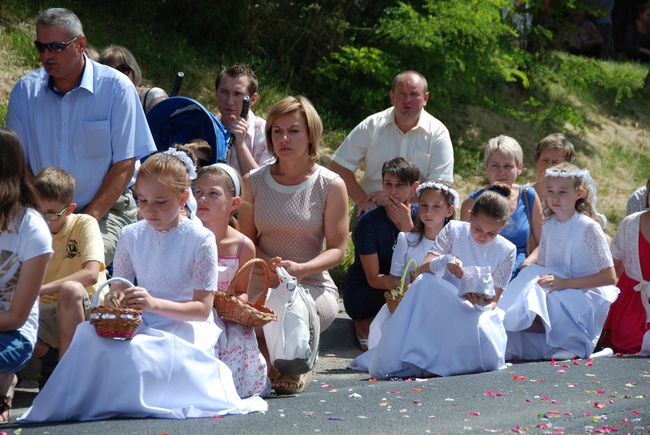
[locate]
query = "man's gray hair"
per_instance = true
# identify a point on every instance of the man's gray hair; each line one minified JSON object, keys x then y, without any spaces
{"x":61,"y":17}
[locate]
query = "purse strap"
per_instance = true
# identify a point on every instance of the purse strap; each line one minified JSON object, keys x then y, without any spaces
{"x":529,"y":214}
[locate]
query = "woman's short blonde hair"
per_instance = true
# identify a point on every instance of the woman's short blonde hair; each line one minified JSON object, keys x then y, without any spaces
{"x":506,"y":146}
{"x":289,"y":105}
{"x":115,"y":55}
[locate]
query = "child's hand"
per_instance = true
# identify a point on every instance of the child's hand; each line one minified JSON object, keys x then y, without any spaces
{"x":456,"y":268}
{"x":139,"y":298}
{"x":113,"y":299}
{"x":478,"y":299}
{"x":399,"y":213}
{"x":551,"y":282}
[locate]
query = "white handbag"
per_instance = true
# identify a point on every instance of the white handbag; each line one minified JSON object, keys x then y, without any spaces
{"x":293,"y":340}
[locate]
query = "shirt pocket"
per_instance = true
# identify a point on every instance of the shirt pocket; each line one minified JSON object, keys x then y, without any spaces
{"x":97,"y":139}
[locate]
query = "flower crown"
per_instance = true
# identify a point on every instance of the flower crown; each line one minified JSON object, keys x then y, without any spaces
{"x":438,"y":186}
{"x":585,"y":176}
{"x":187,"y":161}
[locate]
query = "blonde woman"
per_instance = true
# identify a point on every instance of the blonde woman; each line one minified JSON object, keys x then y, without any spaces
{"x":296,"y":212}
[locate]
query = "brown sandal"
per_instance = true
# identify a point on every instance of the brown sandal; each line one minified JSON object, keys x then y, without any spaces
{"x":288,"y":384}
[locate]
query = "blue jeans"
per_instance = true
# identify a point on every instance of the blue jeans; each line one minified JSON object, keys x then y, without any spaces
{"x":15,"y":351}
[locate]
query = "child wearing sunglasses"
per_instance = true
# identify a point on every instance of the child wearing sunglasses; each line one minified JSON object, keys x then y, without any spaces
{"x":74,"y":271}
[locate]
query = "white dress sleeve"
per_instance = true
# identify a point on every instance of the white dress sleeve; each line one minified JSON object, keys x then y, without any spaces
{"x":204,"y":269}
{"x":399,"y":255}
{"x":122,"y":264}
{"x":596,"y":245}
{"x":503,"y":271}
{"x":444,"y":242}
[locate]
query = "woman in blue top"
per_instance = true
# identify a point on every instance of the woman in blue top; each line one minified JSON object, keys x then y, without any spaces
{"x":503,"y":159}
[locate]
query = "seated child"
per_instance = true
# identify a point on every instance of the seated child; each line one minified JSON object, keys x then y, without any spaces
{"x":444,"y":326}
{"x":437,"y":205}
{"x":74,"y":271}
{"x":217,"y":190}
{"x":628,"y":321}
{"x":168,"y":369}
{"x":374,"y":240}
{"x":556,"y":308}
{"x":25,"y":248}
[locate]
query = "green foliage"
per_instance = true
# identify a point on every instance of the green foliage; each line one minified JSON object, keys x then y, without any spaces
{"x":22,"y":44}
{"x":461,"y":46}
{"x":354,"y":80}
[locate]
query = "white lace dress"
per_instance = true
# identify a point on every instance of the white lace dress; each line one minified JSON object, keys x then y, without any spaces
{"x":406,"y":248}
{"x":572,"y":318}
{"x":168,"y":370}
{"x":237,"y":345}
{"x":434,"y":331}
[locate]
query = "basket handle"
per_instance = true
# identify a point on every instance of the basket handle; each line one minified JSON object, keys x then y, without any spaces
{"x":267,"y":278}
{"x":107,"y":282}
{"x":407,"y":268}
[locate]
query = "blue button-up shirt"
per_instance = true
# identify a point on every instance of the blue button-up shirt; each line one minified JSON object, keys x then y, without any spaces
{"x":85,"y":131}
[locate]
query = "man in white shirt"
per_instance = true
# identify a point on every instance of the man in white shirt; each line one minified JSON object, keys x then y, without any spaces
{"x":403,"y":130}
{"x":249,"y":150}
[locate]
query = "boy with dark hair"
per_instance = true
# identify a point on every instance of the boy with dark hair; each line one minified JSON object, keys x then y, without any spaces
{"x":374,"y":240}
{"x":249,"y":149}
{"x":74,"y":271}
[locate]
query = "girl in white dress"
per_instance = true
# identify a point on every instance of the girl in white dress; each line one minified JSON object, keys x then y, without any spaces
{"x":437,"y":205}
{"x":435,"y":330}
{"x":217,"y":191}
{"x":168,"y":370}
{"x":556,"y":308}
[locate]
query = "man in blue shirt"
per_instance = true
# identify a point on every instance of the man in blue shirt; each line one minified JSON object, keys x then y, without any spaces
{"x":83,"y":117}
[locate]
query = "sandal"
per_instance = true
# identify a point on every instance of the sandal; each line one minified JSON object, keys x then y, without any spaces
{"x":6,"y":402}
{"x":288,"y":384}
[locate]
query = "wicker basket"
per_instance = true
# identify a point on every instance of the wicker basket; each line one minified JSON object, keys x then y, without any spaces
{"x":229,"y":307}
{"x":116,"y":323}
{"x":393,"y":301}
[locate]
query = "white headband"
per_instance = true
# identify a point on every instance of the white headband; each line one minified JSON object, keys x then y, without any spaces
{"x":439,"y":186}
{"x":585,"y":176}
{"x":232,"y":173}
{"x":189,"y":164}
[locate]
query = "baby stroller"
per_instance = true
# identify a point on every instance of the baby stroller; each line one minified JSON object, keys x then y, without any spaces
{"x":178,"y":120}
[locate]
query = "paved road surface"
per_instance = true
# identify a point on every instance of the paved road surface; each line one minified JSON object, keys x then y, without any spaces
{"x":582,"y":396}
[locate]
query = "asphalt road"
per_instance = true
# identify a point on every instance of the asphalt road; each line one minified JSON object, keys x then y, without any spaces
{"x":581,"y":396}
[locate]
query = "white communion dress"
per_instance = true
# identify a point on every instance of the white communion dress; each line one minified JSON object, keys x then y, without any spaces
{"x":435,"y":332}
{"x":168,"y":370}
{"x":572,"y":319}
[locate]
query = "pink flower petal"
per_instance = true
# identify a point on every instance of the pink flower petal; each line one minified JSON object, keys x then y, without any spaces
{"x":599,"y":405}
{"x":474,"y":413}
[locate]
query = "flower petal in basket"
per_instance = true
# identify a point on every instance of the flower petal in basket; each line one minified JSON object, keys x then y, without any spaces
{"x":116,"y":323}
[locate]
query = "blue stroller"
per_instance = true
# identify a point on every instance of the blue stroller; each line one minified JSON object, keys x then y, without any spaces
{"x":178,"y":120}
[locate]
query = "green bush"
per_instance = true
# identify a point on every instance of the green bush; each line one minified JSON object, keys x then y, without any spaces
{"x":461,"y":46}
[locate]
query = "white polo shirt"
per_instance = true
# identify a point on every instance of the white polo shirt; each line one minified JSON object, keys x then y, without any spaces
{"x":378,"y":139}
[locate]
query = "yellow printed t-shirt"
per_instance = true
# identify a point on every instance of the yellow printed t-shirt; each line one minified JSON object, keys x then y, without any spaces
{"x":79,"y":241}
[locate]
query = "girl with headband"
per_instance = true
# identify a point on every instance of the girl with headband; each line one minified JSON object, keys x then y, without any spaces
{"x":556,"y":308}
{"x":217,"y":190}
{"x":168,"y":370}
{"x":437,"y":206}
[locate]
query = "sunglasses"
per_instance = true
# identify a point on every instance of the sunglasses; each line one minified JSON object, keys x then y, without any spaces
{"x":54,"y":47}
{"x":55,"y":215}
{"x":124,"y":69}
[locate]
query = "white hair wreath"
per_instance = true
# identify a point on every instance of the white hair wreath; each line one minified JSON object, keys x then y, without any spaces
{"x":438,"y":186}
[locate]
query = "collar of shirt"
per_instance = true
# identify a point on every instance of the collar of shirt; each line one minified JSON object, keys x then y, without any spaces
{"x":421,"y":125}
{"x":86,"y":81}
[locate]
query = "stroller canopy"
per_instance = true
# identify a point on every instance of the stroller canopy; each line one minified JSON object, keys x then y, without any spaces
{"x":178,"y":120}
